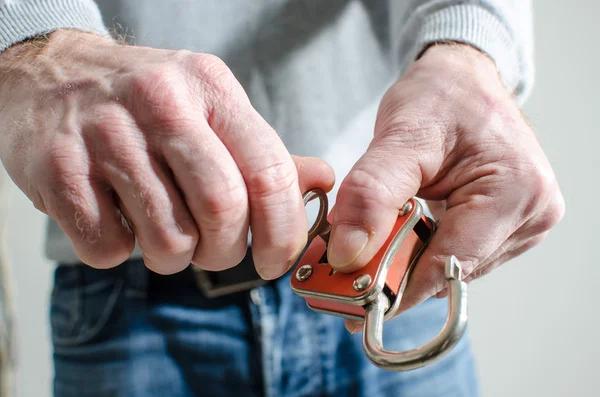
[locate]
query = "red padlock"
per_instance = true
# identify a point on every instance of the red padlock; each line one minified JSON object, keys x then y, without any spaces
{"x":374,"y":292}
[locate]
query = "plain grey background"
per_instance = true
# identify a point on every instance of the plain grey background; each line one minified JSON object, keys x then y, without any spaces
{"x":534,"y":322}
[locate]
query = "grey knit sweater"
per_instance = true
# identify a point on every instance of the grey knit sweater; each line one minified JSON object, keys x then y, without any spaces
{"x":309,"y":66}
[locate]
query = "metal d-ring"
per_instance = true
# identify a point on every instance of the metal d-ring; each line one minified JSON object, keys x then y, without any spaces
{"x":395,"y":304}
{"x":321,"y":227}
{"x":456,"y":322}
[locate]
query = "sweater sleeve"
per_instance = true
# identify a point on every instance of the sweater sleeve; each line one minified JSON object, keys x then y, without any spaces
{"x":502,"y":29}
{"x":24,"y":19}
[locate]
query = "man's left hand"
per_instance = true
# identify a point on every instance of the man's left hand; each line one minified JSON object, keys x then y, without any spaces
{"x":450,"y":132}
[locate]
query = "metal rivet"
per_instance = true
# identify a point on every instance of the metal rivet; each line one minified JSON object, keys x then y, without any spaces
{"x":362,"y":282}
{"x":406,"y":209}
{"x":304,"y":272}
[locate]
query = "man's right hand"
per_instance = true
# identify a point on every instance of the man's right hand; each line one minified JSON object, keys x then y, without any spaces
{"x":118,"y":143}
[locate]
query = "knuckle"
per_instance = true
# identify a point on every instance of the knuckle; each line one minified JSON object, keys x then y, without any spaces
{"x":159,"y":98}
{"x":223,"y":206}
{"x":109,"y":127}
{"x":59,"y":161}
{"x":93,"y":245}
{"x":218,"y":81}
{"x":65,"y":175}
{"x":541,"y":183}
{"x":540,"y":189}
{"x":359,"y":184}
{"x":366,"y":184}
{"x":275,"y":179}
{"x":117,"y":156}
{"x":166,"y":245}
{"x":209,"y":66}
{"x":149,"y":82}
{"x":554,"y":213}
{"x":542,"y":186}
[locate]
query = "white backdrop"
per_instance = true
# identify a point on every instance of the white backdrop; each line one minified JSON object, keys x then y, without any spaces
{"x":534,"y":322}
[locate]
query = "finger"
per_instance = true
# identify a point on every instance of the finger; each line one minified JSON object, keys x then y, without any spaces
{"x":214,"y":191}
{"x":512,"y":248}
{"x":314,"y":173}
{"x":277,"y":217}
{"x":353,"y":326}
{"x":160,"y":220}
{"x":530,"y":233}
{"x":172,"y":108}
{"x":442,"y":294}
{"x":505,"y":256}
{"x":166,"y":232}
{"x":436,"y":207}
{"x":549,"y":215}
{"x":472,"y":231}
{"x":368,"y":202}
{"x":85,"y":210}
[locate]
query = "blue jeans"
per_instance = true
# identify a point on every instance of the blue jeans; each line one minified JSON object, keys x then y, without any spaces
{"x":130,"y":332}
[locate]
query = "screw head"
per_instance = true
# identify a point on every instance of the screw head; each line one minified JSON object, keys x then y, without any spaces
{"x":362,"y":282}
{"x":304,"y":272}
{"x":406,"y":208}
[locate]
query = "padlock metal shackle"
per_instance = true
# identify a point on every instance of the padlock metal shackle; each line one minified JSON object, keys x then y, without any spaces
{"x":444,"y":342}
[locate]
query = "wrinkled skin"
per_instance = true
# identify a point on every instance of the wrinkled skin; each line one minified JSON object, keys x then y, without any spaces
{"x":449,"y":132}
{"x":164,"y":146}
{"x":115,"y":142}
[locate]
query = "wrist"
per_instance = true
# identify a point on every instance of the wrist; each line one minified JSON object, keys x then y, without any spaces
{"x":456,"y":55}
{"x":60,"y":43}
{"x":63,"y":54}
{"x":65,"y":58}
{"x":461,"y":62}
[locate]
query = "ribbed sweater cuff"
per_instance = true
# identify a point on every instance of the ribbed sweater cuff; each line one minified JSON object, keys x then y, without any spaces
{"x":477,"y":26}
{"x":25,"y":19}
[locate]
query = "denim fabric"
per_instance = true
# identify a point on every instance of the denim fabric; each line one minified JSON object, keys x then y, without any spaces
{"x":130,"y":332}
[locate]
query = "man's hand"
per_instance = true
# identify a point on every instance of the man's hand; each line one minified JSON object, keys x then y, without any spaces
{"x":448,"y":131}
{"x":117,"y":142}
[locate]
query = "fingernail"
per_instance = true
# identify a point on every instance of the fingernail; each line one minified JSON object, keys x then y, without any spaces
{"x":354,"y":328}
{"x":273,"y":272}
{"x":347,"y":244}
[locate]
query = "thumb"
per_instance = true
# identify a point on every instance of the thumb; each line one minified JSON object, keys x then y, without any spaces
{"x":368,"y":203}
{"x":463,"y":231}
{"x":313,"y":173}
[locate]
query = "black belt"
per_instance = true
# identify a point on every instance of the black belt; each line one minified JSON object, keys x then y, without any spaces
{"x":239,"y":278}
